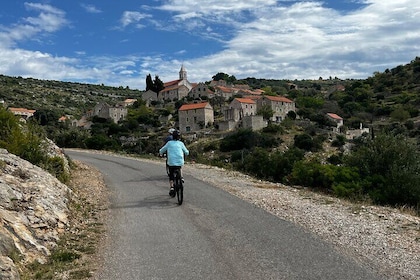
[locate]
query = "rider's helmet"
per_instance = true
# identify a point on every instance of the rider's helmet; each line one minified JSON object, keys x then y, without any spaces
{"x":176,"y":135}
{"x":171,"y":130}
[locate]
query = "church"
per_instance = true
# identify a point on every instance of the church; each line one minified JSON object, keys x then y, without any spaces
{"x":177,"y":89}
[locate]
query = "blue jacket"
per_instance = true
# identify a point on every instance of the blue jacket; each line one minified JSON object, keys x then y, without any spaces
{"x":175,"y":151}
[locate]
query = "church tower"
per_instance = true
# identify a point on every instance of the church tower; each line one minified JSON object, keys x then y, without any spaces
{"x":183,"y":73}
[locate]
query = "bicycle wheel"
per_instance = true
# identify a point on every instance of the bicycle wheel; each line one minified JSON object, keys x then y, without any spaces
{"x":179,"y":188}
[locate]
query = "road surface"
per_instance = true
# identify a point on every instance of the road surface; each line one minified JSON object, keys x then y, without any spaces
{"x":213,"y":235}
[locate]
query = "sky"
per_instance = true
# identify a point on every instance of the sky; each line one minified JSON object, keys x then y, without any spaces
{"x":118,"y":43}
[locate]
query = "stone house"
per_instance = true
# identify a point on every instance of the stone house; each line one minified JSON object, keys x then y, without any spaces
{"x":225,"y":92}
{"x":195,"y":116}
{"x":242,"y":112}
{"x":128,"y":102}
{"x":244,"y":107}
{"x":149,"y":96}
{"x":201,"y":90}
{"x":278,"y":104}
{"x":22,"y":112}
{"x":106,"y":111}
{"x":338,"y":120}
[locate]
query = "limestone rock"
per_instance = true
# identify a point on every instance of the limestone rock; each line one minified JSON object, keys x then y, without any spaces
{"x":33,"y":211}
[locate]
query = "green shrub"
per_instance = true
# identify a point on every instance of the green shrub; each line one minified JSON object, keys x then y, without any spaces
{"x":342,"y":180}
{"x":56,"y":166}
{"x":390,"y":165}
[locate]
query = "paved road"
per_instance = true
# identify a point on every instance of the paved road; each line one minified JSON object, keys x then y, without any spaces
{"x":213,"y":235}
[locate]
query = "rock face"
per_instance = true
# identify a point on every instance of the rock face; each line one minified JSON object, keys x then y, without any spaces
{"x":33,"y":212}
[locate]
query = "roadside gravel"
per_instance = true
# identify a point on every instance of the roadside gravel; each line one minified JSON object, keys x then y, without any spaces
{"x":383,"y":237}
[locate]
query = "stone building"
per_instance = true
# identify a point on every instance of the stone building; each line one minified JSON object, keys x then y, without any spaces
{"x":177,"y":89}
{"x":195,"y":116}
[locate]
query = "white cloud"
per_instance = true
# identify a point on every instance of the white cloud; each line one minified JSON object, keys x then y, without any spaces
{"x":132,"y":17}
{"x":316,"y":41}
{"x":49,"y":20}
{"x":91,"y":9}
{"x":261,"y":38}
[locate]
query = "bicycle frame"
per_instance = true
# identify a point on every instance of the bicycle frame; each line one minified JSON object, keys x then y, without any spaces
{"x":178,"y":185}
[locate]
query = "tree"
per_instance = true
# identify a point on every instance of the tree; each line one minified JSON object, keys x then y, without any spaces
{"x":399,"y":114}
{"x":149,"y":83}
{"x":155,"y":85}
{"x":222,"y":76}
{"x":158,"y":84}
{"x":266,"y":112}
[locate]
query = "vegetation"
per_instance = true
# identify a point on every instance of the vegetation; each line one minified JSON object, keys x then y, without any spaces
{"x":28,"y":141}
{"x":301,"y":150}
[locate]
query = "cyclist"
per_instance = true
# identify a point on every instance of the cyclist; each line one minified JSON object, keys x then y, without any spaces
{"x":175,"y":150}
{"x":169,"y":137}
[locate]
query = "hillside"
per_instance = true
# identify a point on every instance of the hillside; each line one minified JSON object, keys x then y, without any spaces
{"x":303,"y":149}
{"x":62,"y":98}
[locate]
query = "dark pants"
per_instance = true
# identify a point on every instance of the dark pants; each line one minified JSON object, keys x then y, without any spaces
{"x":172,"y":172}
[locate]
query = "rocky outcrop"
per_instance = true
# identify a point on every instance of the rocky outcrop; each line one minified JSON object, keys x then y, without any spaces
{"x":33,"y":212}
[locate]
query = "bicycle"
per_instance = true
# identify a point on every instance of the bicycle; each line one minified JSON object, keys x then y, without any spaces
{"x":178,"y":185}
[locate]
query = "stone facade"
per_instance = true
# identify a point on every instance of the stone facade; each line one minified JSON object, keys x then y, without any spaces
{"x":201,"y":90}
{"x":278,"y":104}
{"x":177,"y":89}
{"x":196,"y":116}
{"x":116,"y":113}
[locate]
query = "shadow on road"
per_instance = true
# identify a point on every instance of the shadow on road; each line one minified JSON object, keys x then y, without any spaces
{"x":153,"y":202}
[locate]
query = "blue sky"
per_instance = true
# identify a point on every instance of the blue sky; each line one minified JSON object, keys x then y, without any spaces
{"x":118,"y":43}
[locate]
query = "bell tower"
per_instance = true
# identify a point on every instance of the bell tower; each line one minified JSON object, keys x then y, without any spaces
{"x":182,"y":73}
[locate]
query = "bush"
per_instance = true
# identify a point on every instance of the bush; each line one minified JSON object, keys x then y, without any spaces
{"x":247,"y":139}
{"x":304,"y":142}
{"x":341,"y":180}
{"x":56,"y":166}
{"x":390,"y":165}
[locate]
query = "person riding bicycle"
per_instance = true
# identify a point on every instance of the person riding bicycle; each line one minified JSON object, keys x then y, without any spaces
{"x":175,"y":150}
{"x":169,"y":137}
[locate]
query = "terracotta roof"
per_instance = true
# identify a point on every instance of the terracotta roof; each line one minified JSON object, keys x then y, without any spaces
{"x":252,"y":97}
{"x":225,"y":89}
{"x":278,"y":98}
{"x":245,"y":100}
{"x":334,"y":116}
{"x":171,"y":83}
{"x":193,"y":106}
{"x":172,"y":87}
{"x":21,"y":110}
{"x":252,"y":92}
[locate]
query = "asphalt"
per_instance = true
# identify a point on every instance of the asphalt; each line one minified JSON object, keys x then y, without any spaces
{"x":212,"y":235}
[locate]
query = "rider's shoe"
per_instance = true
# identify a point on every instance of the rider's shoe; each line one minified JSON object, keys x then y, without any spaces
{"x":172,"y":192}
{"x":182,"y":179}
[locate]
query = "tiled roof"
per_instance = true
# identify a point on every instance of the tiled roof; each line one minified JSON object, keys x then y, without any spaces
{"x":225,"y":89}
{"x":172,"y":87}
{"x":21,"y":110}
{"x":245,"y":100}
{"x":171,"y":83}
{"x":252,"y":97}
{"x":278,"y":98}
{"x":193,"y":106}
{"x":334,"y":116}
